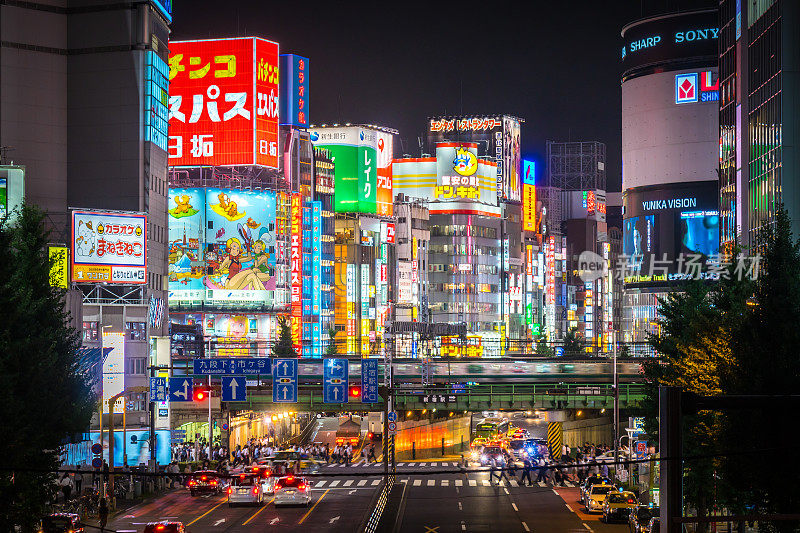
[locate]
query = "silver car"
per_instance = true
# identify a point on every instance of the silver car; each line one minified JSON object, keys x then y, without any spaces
{"x":292,"y":490}
{"x":246,"y":488}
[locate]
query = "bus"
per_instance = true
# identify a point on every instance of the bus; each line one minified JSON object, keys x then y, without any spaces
{"x":489,"y":428}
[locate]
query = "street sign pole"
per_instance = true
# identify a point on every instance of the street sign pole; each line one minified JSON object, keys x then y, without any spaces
{"x":210,"y":425}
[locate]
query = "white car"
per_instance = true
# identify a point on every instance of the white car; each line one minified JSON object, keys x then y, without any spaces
{"x":292,"y":490}
{"x":245,"y":488}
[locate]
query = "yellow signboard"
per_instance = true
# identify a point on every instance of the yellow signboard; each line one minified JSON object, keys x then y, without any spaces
{"x":59,"y":268}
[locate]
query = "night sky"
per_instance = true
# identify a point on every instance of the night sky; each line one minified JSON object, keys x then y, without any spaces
{"x":395,"y":64}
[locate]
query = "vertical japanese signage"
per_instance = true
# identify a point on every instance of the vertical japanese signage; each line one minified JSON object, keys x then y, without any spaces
{"x":550,"y":284}
{"x":360,"y":156}
{"x":385,"y":154}
{"x":109,"y":247}
{"x":511,"y":160}
{"x":296,"y":269}
{"x":156,"y":100}
{"x":529,"y":195}
{"x":223,"y":102}
{"x":59,"y":266}
{"x":295,"y":95}
{"x":316,"y":257}
{"x":369,"y":381}
{"x":351,"y":308}
{"x":365,"y":308}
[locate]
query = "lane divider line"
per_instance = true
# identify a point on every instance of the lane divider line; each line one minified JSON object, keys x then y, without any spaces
{"x":313,"y":507}
{"x":207,"y":512}
{"x":256,"y":513}
{"x":525,"y":527}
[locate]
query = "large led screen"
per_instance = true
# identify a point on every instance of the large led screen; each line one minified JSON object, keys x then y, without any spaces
{"x":668,"y":227}
{"x":222,"y":245}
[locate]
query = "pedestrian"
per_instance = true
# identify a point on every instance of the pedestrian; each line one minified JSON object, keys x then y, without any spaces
{"x":542,"y":472}
{"x":502,"y":463}
{"x":66,"y":486}
{"x":493,"y":471}
{"x":371,"y":453}
{"x":526,"y":471}
{"x":102,"y":513}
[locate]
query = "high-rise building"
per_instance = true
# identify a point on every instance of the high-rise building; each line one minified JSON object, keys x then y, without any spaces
{"x":670,"y":159}
{"x":759,"y":117}
{"x":84,"y":98}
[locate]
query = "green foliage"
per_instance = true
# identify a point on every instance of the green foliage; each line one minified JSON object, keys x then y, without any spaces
{"x":543,"y":349}
{"x":45,"y":394}
{"x":331,"y":350}
{"x":737,"y":336}
{"x":573,"y":343}
{"x":284,"y":348}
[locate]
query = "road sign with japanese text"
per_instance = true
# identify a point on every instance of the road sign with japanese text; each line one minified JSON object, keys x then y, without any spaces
{"x":158,"y":389}
{"x":369,"y":381}
{"x":248,"y":366}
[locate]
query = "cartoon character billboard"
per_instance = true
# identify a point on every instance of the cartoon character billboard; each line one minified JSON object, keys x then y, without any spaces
{"x":222,"y":245}
{"x":186,"y":244}
{"x":240,"y":242}
{"x":109,"y":247}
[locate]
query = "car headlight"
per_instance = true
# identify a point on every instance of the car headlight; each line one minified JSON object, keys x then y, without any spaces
{"x":483,"y":457}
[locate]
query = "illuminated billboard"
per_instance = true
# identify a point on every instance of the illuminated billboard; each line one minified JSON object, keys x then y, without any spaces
{"x":222,"y":245}
{"x":156,"y":98}
{"x":59,"y":266}
{"x":455,"y":181}
{"x":528,"y":195}
{"x":113,"y":369}
{"x":108,"y":247}
{"x":295,"y":93}
{"x":223,"y":102}
{"x":666,"y":222}
{"x":362,"y":159}
{"x":499,"y":136}
{"x":12,"y":189}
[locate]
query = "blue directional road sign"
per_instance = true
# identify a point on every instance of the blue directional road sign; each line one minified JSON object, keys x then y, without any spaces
{"x":158,"y":389}
{"x":559,"y":351}
{"x":180,"y":389}
{"x":369,"y":381}
{"x":336,"y":380}
{"x":250,"y":366}
{"x":284,"y":381}
{"x":392,"y":416}
{"x":234,"y":388}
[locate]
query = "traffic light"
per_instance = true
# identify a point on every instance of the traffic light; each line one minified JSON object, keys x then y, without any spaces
{"x":201,"y":394}
{"x":355,"y":392}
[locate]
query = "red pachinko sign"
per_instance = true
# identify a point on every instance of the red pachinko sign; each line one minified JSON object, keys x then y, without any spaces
{"x":223,"y":102}
{"x":296,"y":264}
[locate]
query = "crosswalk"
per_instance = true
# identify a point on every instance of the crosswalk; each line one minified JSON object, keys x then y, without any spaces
{"x":424,"y":481}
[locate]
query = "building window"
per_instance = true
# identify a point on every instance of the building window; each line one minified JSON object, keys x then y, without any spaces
{"x":91,"y":331}
{"x":136,"y":331}
{"x":136,"y":366}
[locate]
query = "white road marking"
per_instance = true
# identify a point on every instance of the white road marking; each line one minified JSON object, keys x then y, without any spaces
{"x":473,"y":482}
{"x":401,"y":464}
{"x":513,"y":483}
{"x":320,"y":483}
{"x":542,"y":483}
{"x":486,"y":483}
{"x":421,"y":464}
{"x":352,"y":491}
{"x":376,"y":482}
{"x":587,"y":526}
{"x":274,"y":521}
{"x":417,"y":482}
{"x":445,"y":483}
{"x":334,"y":483}
{"x":459,"y":482}
{"x":347,"y":483}
{"x":514,"y":505}
{"x":362,"y":482}
{"x":568,"y":507}
{"x":431,"y":482}
{"x":459,"y":507}
{"x":334,"y":519}
{"x":463,"y":526}
{"x":218,"y":522}
{"x":525,"y":527}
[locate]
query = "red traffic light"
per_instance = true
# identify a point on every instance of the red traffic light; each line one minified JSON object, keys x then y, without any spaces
{"x":200,"y":394}
{"x":355,"y":392}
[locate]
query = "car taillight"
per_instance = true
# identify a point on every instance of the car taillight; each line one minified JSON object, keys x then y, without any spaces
{"x":277,"y":486}
{"x":203,"y":478}
{"x":230,"y":490}
{"x":290,"y":479}
{"x":214,"y":482}
{"x":191,"y":482}
{"x":255,"y":490}
{"x":631,"y":501}
{"x":301,"y":487}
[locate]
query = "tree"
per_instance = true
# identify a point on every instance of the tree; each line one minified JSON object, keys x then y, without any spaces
{"x":573,"y":343}
{"x":765,"y":362}
{"x":284,"y":348}
{"x":45,"y":391}
{"x":331,"y":350}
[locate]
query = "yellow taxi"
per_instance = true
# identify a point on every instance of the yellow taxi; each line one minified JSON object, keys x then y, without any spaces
{"x":619,"y":506}
{"x":595,"y":497}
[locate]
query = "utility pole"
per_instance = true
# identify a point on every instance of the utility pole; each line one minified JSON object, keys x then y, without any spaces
{"x":616,"y":401}
{"x":210,"y":425}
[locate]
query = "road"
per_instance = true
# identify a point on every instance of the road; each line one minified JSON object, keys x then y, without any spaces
{"x":448,"y":501}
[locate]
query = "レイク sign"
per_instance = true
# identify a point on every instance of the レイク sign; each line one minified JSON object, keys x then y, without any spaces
{"x":223,"y":102}
{"x":108,"y":247}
